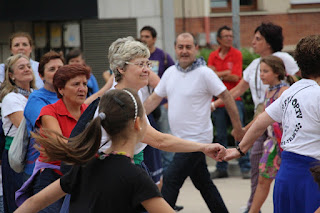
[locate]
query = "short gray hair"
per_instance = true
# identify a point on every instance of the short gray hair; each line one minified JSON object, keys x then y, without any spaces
{"x":123,"y":50}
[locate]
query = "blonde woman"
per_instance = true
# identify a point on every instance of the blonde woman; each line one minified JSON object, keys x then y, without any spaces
{"x":14,"y":92}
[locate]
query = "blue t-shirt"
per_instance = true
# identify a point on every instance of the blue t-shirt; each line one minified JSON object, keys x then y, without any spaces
{"x":37,"y":100}
{"x":92,"y":85}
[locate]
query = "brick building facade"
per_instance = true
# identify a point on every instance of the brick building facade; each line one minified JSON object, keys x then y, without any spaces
{"x":296,"y":22}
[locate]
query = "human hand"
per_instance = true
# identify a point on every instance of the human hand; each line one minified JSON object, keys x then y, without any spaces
{"x":215,"y":151}
{"x":227,"y":72}
{"x":238,"y":133}
{"x":231,"y":153}
{"x":212,"y":106}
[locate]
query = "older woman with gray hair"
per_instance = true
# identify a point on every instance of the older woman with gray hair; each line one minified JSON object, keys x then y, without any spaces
{"x":129,"y":61}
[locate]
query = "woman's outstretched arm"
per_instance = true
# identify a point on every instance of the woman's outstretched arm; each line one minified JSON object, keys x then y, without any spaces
{"x":44,"y":198}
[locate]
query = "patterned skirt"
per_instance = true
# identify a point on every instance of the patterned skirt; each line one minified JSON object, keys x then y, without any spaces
{"x":270,"y":161}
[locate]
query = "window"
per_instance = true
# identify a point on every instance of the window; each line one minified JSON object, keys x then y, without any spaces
{"x":225,"y":5}
{"x":305,"y":4}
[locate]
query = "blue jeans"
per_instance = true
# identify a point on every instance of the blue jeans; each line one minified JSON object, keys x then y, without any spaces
{"x":221,"y":122}
{"x":11,"y":182}
{"x":193,"y":165}
{"x":42,"y":180}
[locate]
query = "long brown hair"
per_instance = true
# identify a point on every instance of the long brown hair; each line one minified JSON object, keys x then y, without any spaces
{"x":277,"y":67}
{"x":119,"y":110}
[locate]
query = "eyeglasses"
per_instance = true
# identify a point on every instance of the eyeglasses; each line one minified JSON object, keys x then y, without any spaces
{"x":147,"y":64}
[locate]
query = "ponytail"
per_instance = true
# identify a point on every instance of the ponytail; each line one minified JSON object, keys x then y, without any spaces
{"x":117,"y":108}
{"x":79,"y":150}
{"x":289,"y":79}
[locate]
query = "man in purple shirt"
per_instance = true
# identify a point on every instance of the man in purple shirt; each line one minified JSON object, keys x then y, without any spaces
{"x":159,"y":117}
{"x":161,"y":60}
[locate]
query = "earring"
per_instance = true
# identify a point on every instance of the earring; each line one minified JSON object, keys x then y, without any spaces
{"x":140,"y":128}
{"x":13,"y":79}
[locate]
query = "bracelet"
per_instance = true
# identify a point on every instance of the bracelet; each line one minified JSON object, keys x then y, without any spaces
{"x":213,"y":106}
{"x":239,"y":150}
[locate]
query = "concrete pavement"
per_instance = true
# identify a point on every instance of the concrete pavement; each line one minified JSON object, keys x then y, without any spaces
{"x":234,"y":190}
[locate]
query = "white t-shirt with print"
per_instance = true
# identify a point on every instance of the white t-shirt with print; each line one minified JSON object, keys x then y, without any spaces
{"x":298,"y":109}
{"x":252,"y":75}
{"x":189,"y":96}
{"x":12,"y":102}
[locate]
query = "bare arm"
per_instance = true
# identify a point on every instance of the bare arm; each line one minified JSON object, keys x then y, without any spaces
{"x":317,"y":211}
{"x":44,"y":198}
{"x":152,"y":102}
{"x":157,"y":205}
{"x":235,"y":92}
{"x":50,"y":122}
{"x":170,"y":143}
{"x":226,"y":75}
{"x":231,"y":77}
{"x":153,"y":79}
{"x":16,"y":118}
{"x":106,"y":75}
{"x":232,"y":110}
{"x":105,"y":88}
{"x":255,"y":131}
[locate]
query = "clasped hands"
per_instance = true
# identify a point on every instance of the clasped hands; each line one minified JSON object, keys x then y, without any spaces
{"x":220,"y":153}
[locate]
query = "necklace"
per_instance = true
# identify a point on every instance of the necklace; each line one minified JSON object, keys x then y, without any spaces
{"x":274,"y":87}
{"x":24,"y":92}
{"x":102,"y":156}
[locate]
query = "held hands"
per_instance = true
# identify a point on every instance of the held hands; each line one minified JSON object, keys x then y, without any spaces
{"x":215,"y":151}
{"x":231,"y":153}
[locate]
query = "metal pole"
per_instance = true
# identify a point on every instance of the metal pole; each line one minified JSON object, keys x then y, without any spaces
{"x":236,"y":23}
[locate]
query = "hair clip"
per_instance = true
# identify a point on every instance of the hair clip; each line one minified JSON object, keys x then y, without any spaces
{"x":118,"y":101}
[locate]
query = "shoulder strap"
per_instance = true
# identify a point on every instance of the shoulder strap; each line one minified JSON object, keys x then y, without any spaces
{"x":256,"y":81}
{"x":274,"y":95}
{"x":8,"y":130}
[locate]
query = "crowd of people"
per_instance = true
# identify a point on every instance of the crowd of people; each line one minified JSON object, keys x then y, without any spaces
{"x":129,"y":146}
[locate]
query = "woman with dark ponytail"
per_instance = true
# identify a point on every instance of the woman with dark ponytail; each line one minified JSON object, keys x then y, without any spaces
{"x":108,"y":181}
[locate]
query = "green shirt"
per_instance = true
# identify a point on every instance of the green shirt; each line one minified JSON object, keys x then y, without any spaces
{"x":138,"y":158}
{"x":8,"y":142}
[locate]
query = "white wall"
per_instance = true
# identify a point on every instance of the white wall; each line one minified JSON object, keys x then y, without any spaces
{"x":274,"y":6}
{"x":146,"y":12}
{"x":191,"y":8}
{"x":128,"y":8}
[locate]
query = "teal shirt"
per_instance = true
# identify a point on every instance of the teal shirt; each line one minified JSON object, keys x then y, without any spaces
{"x":138,"y":158}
